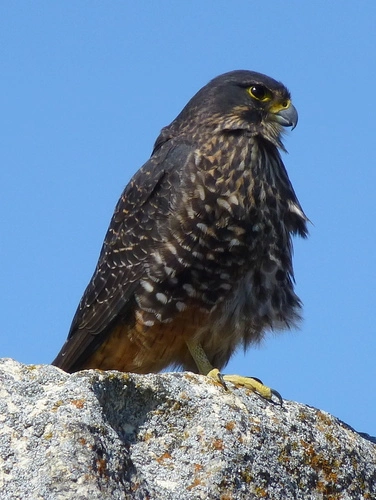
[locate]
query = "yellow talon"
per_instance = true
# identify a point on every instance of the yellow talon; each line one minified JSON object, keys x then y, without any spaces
{"x":252,"y":384}
{"x":247,"y":382}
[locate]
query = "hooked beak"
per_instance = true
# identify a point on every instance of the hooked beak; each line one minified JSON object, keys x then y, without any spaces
{"x":287,"y":117}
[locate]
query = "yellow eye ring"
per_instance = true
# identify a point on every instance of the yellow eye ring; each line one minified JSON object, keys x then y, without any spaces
{"x":260,"y":93}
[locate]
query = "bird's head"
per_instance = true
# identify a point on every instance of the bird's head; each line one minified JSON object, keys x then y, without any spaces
{"x":240,"y":100}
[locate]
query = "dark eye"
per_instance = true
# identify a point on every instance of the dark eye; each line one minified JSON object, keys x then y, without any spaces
{"x":259,"y":92}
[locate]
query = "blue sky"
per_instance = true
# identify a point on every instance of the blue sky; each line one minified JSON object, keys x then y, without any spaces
{"x":85,"y":88}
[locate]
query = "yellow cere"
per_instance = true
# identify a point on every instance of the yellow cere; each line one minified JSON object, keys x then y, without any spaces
{"x":278,"y":106}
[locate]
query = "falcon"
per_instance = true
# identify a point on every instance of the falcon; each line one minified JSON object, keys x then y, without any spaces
{"x":197,"y":260}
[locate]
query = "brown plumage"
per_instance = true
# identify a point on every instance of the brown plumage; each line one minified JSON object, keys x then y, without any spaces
{"x":199,"y":247}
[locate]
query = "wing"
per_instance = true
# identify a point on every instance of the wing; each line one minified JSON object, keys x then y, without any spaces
{"x":135,"y":226}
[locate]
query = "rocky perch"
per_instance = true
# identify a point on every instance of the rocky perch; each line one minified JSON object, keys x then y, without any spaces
{"x":109,"y":435}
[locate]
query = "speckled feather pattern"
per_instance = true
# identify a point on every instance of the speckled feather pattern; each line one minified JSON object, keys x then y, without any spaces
{"x":199,"y":247}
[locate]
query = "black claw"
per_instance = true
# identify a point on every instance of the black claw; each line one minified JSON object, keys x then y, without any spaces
{"x":258,"y":380}
{"x":222,"y":381}
{"x":273,"y":391}
{"x":278,"y":396}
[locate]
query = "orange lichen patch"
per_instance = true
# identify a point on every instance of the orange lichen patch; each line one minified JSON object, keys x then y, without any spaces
{"x":285,"y":459}
{"x":176,"y":406}
{"x":330,"y":438}
{"x":226,"y":496}
{"x":256,"y":429}
{"x":246,"y":476}
{"x":136,"y":486}
{"x":218,"y":444}
{"x":317,"y":461}
{"x":82,"y":441}
{"x":162,"y":458}
{"x":101,"y":466}
{"x":230,"y":425}
{"x":354,"y":463}
{"x":261,"y":493}
{"x":302,"y":416}
{"x":196,"y":482}
{"x":78,"y":403}
{"x":198,"y":467}
{"x":147,"y":436}
{"x":285,"y":453}
{"x":327,"y":468}
{"x":325,"y":419}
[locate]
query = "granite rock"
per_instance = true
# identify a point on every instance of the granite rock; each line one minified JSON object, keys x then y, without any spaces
{"x":172,"y":436}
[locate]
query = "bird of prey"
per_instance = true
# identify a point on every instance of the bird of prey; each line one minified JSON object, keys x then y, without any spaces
{"x":197,"y":260}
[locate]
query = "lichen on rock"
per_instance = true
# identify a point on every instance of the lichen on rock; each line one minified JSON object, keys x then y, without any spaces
{"x":110,"y":435}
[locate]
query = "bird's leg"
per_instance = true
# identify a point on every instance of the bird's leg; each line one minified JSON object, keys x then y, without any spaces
{"x":205,"y":368}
